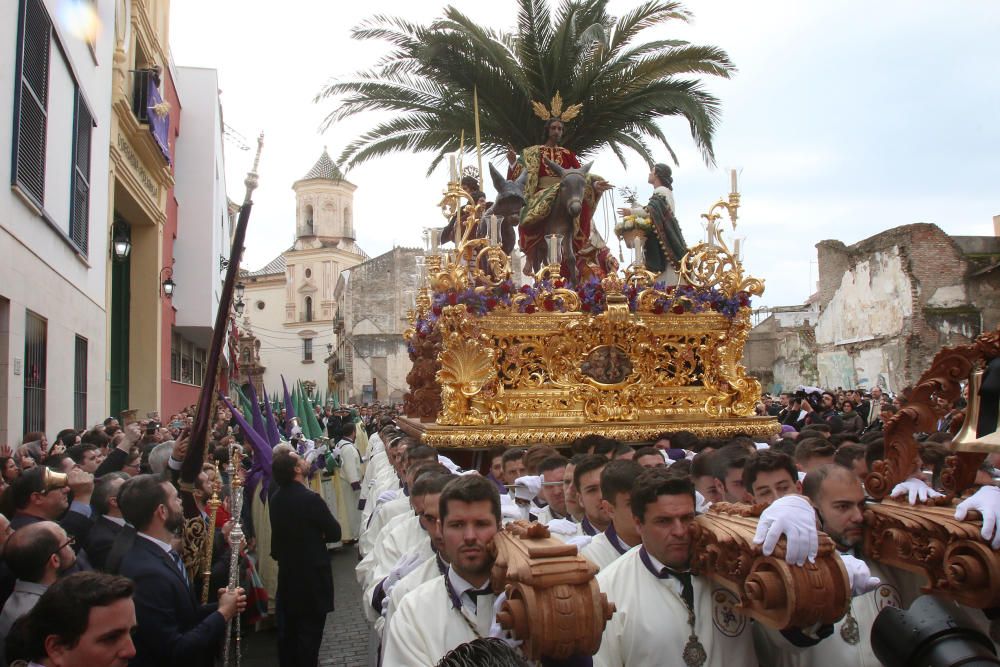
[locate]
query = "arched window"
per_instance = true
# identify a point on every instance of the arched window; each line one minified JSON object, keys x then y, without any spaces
{"x":308,"y":217}
{"x":309,"y":309}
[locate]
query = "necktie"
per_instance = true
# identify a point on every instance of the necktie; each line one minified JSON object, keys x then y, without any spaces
{"x":179,"y":564}
{"x":687,"y":587}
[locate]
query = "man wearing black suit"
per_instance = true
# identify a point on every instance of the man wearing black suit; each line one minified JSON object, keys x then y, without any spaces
{"x":173,"y":628}
{"x":33,"y":502}
{"x":109,"y":521}
{"x":301,"y":527}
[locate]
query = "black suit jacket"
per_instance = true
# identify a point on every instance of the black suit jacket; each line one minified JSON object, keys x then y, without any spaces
{"x":301,"y":525}
{"x":173,"y":628}
{"x":102,"y":536}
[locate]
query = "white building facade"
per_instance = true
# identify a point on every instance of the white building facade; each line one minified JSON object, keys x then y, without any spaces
{"x":290,"y":304}
{"x":55,"y":91}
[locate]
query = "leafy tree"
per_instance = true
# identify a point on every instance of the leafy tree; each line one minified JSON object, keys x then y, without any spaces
{"x":625,"y":85}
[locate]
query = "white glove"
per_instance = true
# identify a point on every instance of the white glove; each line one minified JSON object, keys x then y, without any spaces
{"x":915,"y":490}
{"x":700,"y":504}
{"x":579,"y":541}
{"x":527,"y":487}
{"x":407,"y":563}
{"x":793,"y":517}
{"x":385,"y":606}
{"x":859,"y":575}
{"x":386,"y":496}
{"x":986,"y":501}
{"x":513,"y":512}
{"x":449,"y":464}
{"x":563,"y":527}
{"x":496,"y":631}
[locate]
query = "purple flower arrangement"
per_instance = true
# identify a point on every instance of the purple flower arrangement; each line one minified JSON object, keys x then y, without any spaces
{"x":678,"y":300}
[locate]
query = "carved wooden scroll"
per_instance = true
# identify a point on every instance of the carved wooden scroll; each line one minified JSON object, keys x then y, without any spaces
{"x":951,"y":366}
{"x":770,"y":590}
{"x":553,"y":602}
{"x":929,"y":540}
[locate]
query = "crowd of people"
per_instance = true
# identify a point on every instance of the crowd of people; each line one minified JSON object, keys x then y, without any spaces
{"x":427,"y":527}
{"x":92,"y":543}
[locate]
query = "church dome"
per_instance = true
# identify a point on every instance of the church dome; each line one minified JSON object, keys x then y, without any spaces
{"x":325,"y":169}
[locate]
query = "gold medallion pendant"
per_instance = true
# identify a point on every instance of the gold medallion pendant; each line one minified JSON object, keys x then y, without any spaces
{"x":694,"y":653}
{"x":849,"y":630}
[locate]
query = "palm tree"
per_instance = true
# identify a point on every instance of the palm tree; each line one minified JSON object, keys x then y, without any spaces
{"x":427,"y":79}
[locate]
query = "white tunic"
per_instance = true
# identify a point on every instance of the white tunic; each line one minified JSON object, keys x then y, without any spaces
{"x":650,"y":626}
{"x":382,"y":516}
{"x":427,"y":625}
{"x":429,"y":569}
{"x":545,"y":515}
{"x":364,"y":570}
{"x":407,"y":536}
{"x":349,"y":473}
{"x":601,"y":552}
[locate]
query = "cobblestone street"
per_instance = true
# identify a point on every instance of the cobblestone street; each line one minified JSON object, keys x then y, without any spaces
{"x":345,"y":639}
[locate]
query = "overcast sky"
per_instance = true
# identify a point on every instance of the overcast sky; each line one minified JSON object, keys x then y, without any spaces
{"x":845,"y":118}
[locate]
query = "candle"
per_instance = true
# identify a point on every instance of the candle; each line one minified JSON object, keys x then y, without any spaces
{"x":732,"y":180}
{"x":453,"y":170}
{"x":554,"y":243}
{"x":736,"y":248}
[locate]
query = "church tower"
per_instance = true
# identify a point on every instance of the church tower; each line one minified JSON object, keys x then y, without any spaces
{"x":324,"y":207}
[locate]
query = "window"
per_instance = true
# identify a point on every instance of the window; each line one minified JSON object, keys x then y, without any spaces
{"x":307,"y":349}
{"x":309,"y":308}
{"x":31,"y":93}
{"x":35,"y":361}
{"x":79,"y":212}
{"x":80,"y":384}
{"x":187,"y":361}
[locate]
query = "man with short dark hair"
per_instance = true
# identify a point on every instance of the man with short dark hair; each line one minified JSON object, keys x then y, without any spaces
{"x":812,"y":453}
{"x":616,"y":496}
{"x":553,"y":470}
{"x":85,"y":456}
{"x":35,"y":500}
{"x":301,"y":527}
{"x":109,"y":522}
{"x":173,"y":628}
{"x":770,"y":475}
{"x":587,"y":483}
{"x":703,"y":477}
{"x":670,"y":612}
{"x":83,"y":620}
{"x":727,"y":469}
{"x":37,"y":554}
{"x":456,"y":607}
{"x":513,"y":465}
{"x":650,"y":457}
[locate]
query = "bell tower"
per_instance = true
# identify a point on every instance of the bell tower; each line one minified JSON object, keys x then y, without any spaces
{"x":324,"y":207}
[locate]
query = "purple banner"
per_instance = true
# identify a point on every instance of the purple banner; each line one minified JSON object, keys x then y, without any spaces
{"x":159,"y":126}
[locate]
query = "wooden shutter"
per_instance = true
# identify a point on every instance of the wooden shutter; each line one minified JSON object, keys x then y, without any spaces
{"x":31,"y":92}
{"x":79,"y":222}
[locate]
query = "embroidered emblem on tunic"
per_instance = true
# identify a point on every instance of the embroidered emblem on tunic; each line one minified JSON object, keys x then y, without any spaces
{"x":729,"y":621}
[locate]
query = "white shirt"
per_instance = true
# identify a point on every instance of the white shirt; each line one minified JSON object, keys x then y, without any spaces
{"x":115,"y":519}
{"x":650,"y":626}
{"x":160,"y":543}
{"x":605,"y":549}
{"x":427,"y":624}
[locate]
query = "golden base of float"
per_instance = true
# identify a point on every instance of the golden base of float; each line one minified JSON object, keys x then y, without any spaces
{"x":624,"y":356}
{"x":558,"y":435}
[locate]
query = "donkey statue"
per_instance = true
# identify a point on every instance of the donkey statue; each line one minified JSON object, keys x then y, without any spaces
{"x":507,"y":207}
{"x":562,"y":218}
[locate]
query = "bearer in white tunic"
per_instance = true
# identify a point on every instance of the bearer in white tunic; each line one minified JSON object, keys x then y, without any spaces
{"x":666,"y":616}
{"x":616,"y":492}
{"x":458,"y":607}
{"x":553,"y":471}
{"x":349,"y":479}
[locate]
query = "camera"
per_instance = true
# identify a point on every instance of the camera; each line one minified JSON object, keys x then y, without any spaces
{"x":928,"y":633}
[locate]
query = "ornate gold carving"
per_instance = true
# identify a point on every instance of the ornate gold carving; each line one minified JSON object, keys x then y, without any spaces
{"x":769,"y":589}
{"x":195,"y":537}
{"x":553,"y":602}
{"x":556,"y":434}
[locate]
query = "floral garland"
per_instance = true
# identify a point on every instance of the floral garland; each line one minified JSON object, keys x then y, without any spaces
{"x":677,"y":300}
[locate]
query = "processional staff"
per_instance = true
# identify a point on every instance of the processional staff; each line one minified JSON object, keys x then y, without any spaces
{"x":196,"y":532}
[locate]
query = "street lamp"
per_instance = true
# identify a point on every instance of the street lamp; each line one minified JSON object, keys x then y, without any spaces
{"x":238,"y":307}
{"x":240,"y":289}
{"x":168,"y":283}
{"x":121,"y":243}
